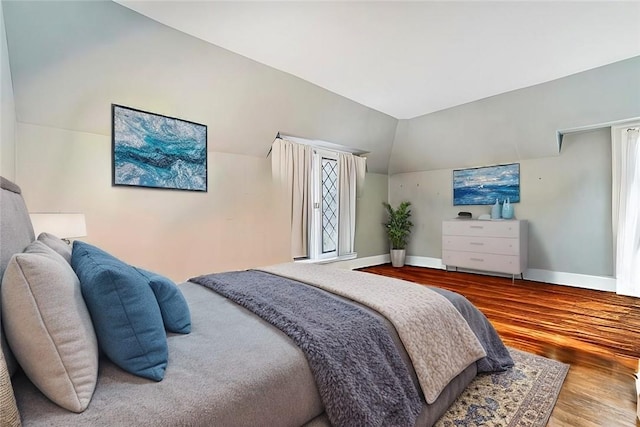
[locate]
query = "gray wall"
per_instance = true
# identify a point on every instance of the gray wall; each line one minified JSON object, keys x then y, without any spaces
{"x":370,"y":235}
{"x":71,"y":60}
{"x":566,"y":196}
{"x":7,"y":110}
{"x":566,"y":199}
{"x":517,"y":125}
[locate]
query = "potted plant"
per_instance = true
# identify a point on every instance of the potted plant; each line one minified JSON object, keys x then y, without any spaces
{"x":398,"y":229}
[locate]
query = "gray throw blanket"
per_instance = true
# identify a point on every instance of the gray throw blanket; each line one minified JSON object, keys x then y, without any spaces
{"x":498,"y":357}
{"x":360,"y":374}
{"x":436,"y":337}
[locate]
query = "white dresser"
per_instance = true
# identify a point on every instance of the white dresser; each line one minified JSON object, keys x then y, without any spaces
{"x":499,"y":246}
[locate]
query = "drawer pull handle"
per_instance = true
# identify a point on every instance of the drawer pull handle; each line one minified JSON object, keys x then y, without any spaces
{"x":477,"y":259}
{"x":477,"y":243}
{"x":477,"y":226}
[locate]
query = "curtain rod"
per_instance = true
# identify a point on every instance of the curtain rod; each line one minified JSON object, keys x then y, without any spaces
{"x":320,"y":144}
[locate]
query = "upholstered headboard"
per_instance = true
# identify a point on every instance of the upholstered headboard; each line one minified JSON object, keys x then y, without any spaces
{"x":16,"y":232}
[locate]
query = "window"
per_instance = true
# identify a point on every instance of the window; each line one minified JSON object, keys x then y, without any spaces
{"x":319,"y":181}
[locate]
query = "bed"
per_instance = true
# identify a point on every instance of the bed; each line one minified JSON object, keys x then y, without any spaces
{"x":234,"y":368}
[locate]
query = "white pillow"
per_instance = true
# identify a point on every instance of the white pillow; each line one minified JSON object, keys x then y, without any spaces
{"x":61,"y":247}
{"x":48,"y":326}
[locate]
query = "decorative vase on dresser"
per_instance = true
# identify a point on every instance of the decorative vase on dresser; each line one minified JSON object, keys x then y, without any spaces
{"x":495,"y":210}
{"x":498,"y":246}
{"x":507,"y":209}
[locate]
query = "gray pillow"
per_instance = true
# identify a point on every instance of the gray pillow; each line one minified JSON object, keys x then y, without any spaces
{"x":48,"y":326}
{"x":61,"y":247}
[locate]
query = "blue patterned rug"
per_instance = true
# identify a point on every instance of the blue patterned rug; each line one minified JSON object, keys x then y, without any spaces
{"x":523,"y":396}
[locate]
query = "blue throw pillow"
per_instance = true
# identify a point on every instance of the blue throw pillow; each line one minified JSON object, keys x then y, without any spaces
{"x":124,"y":311}
{"x":173,"y":306}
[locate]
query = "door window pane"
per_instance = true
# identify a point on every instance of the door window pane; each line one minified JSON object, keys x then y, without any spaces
{"x":329,"y":205}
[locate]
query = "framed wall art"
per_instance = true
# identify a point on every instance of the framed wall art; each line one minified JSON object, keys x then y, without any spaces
{"x":155,"y":151}
{"x":483,"y":185}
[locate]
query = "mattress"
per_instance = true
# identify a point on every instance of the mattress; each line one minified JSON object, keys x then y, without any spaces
{"x":233,"y":369}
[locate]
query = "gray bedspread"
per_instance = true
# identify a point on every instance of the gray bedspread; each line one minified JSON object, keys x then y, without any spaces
{"x":232,"y":370}
{"x":498,"y":357}
{"x":435,"y":335}
{"x":360,"y":374}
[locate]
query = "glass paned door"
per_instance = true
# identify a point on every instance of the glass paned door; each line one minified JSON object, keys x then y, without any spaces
{"x":324,"y":228}
{"x":329,"y":205}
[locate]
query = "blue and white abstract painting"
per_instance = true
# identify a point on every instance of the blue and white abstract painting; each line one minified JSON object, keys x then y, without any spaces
{"x":151,"y":150}
{"x":482,"y":186}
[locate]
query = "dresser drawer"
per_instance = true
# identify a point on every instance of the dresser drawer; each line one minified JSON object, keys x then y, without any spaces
{"x":482,"y":261}
{"x":481,"y":228}
{"x":491,"y":245}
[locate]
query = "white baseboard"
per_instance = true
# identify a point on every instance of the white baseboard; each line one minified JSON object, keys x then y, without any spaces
{"x":341,"y":258}
{"x":423,"y":261}
{"x":363,"y":262}
{"x":598,"y":283}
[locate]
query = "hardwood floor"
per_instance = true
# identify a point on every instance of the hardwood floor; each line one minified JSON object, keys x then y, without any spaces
{"x":598,"y":333}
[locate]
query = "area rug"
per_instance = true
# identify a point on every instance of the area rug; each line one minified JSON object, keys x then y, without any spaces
{"x":522,"y":396}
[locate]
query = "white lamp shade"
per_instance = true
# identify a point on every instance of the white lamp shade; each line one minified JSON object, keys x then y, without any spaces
{"x":63,"y":225}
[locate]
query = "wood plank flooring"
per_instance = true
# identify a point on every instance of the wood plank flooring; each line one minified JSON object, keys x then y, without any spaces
{"x":598,"y":333}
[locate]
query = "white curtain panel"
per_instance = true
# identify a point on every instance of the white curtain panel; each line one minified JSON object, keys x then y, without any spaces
{"x":351,"y":181}
{"x":291,"y":170}
{"x":347,"y":204}
{"x":626,"y":209}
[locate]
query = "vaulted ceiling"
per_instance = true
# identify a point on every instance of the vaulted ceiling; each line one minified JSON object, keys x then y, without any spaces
{"x":391,"y":70}
{"x":407,"y":59}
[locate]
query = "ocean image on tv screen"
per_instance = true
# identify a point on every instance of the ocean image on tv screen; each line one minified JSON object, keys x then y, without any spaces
{"x":482,"y":186}
{"x":150,"y":150}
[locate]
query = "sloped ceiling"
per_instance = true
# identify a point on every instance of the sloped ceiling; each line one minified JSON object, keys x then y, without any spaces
{"x":71,"y":60}
{"x":518,"y":125}
{"x":407,"y":59}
